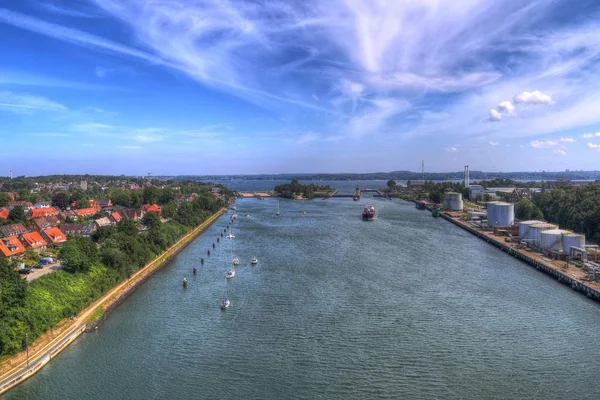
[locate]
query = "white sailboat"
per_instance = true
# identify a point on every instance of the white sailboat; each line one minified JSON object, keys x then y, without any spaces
{"x":277,"y":213}
{"x":254,"y":261}
{"x":225,"y":303}
{"x":231,"y":235}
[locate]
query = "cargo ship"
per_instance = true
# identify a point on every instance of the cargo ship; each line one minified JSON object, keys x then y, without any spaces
{"x":368,"y":213}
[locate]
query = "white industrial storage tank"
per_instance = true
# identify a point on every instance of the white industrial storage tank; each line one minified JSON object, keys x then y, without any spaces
{"x":500,"y":214}
{"x":524,"y":231}
{"x":573,"y":240}
{"x":552,"y":239}
{"x":537,"y":229}
{"x":453,"y":201}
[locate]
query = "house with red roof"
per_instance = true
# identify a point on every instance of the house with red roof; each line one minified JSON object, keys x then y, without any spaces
{"x":21,"y":203}
{"x":11,"y":246}
{"x":39,"y":224}
{"x":34,"y":240}
{"x":43,"y":212}
{"x":12,"y":230}
{"x":134,"y":214}
{"x":104,"y":221}
{"x":115,"y":216}
{"x":54,"y":235}
{"x":152,"y":208}
{"x":86,"y":212}
{"x":4,"y":212}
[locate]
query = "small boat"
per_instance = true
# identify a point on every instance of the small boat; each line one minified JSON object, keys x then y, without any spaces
{"x":230,"y":274}
{"x":231,"y":235}
{"x":236,"y":261}
{"x":234,"y":216}
{"x":254,"y":261}
{"x":225,"y":304}
{"x":184,"y":282}
{"x":247,"y":214}
{"x":277,"y":213}
{"x":303,"y":212}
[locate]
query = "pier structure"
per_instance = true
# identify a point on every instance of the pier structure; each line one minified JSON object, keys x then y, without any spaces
{"x":561,"y":270}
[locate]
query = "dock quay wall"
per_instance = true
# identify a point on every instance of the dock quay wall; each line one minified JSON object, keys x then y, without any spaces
{"x":562,"y":278}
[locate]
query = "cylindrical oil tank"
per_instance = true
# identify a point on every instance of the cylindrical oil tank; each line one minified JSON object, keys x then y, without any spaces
{"x":453,"y":201}
{"x":552,"y":239}
{"x":500,"y":214}
{"x":537,"y":229}
{"x":573,"y":240}
{"x":524,"y":231}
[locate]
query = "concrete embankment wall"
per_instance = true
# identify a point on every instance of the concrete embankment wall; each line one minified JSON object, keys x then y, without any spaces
{"x":567,"y":280}
{"x":38,"y":361}
{"x":138,"y":282}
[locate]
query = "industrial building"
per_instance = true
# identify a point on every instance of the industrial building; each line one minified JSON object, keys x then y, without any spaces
{"x":453,"y":201}
{"x":500,"y":214}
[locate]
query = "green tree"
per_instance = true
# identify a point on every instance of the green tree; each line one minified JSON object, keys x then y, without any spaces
{"x":151,"y":220}
{"x":169,"y":210}
{"x":78,"y":254}
{"x":4,"y":199}
{"x":17,"y":214}
{"x":61,"y":200}
{"x":391,"y":184}
{"x":83,"y":202}
{"x":128,"y":227}
{"x":13,"y":294}
{"x":151,"y":195}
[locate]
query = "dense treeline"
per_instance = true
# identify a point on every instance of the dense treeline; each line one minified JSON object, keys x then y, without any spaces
{"x":294,"y":188}
{"x":408,"y":175}
{"x":503,"y":182}
{"x":576,"y":209}
{"x":435,"y":191}
{"x":91,"y":267}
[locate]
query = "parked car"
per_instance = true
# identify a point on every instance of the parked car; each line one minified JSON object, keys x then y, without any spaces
{"x":25,"y":271}
{"x":38,"y":266}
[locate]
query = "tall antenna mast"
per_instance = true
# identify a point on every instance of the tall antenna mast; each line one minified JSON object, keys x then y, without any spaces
{"x":11,"y":174}
{"x":423,"y":170}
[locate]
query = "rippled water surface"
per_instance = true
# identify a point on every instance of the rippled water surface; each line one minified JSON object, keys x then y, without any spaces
{"x":406,"y":306}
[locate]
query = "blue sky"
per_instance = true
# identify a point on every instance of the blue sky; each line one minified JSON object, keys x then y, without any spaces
{"x":220,"y":87}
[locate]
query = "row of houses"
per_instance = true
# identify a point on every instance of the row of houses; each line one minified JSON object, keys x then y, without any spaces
{"x":54,"y":228}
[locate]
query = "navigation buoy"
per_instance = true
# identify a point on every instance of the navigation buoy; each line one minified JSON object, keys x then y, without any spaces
{"x":184,"y":282}
{"x":218,"y":239}
{"x":208,"y":252}
{"x":194,"y":270}
{"x":202,"y":260}
{"x":213,"y":245}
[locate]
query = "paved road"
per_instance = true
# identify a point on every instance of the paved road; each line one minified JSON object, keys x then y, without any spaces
{"x":43,"y":271}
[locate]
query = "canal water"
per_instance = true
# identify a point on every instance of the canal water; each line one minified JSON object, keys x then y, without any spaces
{"x":406,"y":306}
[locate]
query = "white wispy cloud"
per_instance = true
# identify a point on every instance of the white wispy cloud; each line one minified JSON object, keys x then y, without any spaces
{"x":493,"y":143}
{"x":560,"y":152}
{"x":590,"y":135}
{"x":278,"y":54}
{"x":452,"y":149}
{"x":535,"y":97}
{"x":148,"y":138}
{"x":307,"y":138}
{"x":543,"y":144}
{"x":593,"y":146}
{"x":567,"y":140}
{"x":23,"y":102}
{"x":130,"y":147}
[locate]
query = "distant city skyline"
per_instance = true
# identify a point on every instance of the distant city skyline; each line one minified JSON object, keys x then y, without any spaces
{"x":243,"y":87}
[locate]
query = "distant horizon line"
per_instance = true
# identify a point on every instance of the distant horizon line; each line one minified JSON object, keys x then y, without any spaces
{"x":291,"y":174}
